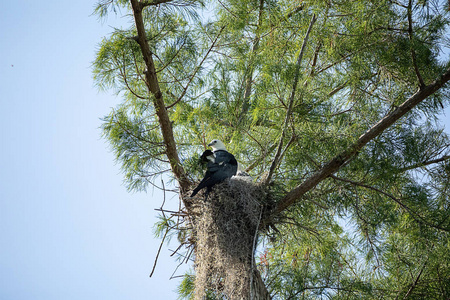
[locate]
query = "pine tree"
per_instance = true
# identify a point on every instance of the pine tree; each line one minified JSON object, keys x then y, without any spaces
{"x":331,"y":106}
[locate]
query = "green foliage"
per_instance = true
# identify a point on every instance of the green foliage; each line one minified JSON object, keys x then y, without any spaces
{"x":378,"y":228}
{"x":137,"y":144}
{"x":186,"y":287}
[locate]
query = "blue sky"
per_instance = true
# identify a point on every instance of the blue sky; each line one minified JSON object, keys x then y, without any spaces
{"x":68,"y":227}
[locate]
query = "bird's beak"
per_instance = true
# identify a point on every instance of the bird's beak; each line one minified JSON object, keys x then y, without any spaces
{"x":210,"y":144}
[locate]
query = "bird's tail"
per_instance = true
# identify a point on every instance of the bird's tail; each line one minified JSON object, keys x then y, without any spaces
{"x":208,"y":190}
{"x":197,"y":189}
{"x":194,"y":192}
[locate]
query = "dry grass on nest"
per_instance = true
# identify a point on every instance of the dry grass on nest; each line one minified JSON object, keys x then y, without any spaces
{"x":225,"y":229}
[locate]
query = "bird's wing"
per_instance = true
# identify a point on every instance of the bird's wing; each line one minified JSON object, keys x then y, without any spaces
{"x":226,"y":163}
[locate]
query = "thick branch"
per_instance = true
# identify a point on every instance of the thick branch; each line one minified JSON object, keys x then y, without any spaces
{"x":337,"y":162}
{"x":258,"y":287}
{"x":158,"y":101}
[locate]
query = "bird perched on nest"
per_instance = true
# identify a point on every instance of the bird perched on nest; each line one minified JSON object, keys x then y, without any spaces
{"x":221,"y":165}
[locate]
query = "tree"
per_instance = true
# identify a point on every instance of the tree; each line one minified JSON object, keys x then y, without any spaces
{"x":331,"y":106}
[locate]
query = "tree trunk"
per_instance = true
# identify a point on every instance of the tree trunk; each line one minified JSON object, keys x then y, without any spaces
{"x":225,"y":234}
{"x":258,"y":288}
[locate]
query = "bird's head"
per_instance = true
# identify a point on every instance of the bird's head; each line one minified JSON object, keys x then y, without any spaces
{"x":217,"y":145}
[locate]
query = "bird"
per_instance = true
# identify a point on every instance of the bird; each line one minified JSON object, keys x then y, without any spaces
{"x":207,"y":156}
{"x":221,"y":165}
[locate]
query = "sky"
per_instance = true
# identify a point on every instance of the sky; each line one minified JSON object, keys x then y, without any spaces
{"x":68,"y":227}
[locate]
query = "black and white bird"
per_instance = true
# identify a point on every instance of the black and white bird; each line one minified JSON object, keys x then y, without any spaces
{"x":221,"y":165}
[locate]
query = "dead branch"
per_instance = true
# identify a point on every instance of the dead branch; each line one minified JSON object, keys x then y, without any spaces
{"x":159,"y":251}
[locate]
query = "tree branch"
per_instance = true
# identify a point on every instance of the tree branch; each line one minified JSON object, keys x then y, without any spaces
{"x":258,"y":286}
{"x":158,"y":101}
{"x":413,"y":285}
{"x":123,"y":73}
{"x":413,"y":53}
{"x":338,"y":161}
{"x":143,"y":4}
{"x":425,"y":163}
{"x":250,"y":68}
{"x":197,"y":69}
{"x":276,"y":159}
{"x":413,"y":214}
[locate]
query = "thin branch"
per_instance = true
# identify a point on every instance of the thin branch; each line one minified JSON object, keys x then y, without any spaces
{"x":277,"y":157}
{"x":260,"y":158}
{"x":178,"y":248}
{"x":250,"y":67}
{"x":337,"y":89}
{"x":255,"y":238}
{"x":227,"y":9}
{"x":196,"y":70}
{"x":413,"y":285}
{"x":314,"y":61}
{"x":173,"y":57}
{"x":444,"y":294}
{"x":159,"y":250}
{"x":425,"y":163}
{"x":144,"y":149}
{"x":346,"y":57}
{"x":295,"y":10}
{"x":124,"y":76}
{"x":172,"y":212}
{"x":158,"y":187}
{"x":411,"y":39}
{"x":138,"y":72}
{"x":413,"y":214}
{"x":182,"y":261}
{"x":164,"y":198}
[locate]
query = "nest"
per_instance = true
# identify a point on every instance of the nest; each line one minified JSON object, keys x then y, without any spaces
{"x":225,"y":231}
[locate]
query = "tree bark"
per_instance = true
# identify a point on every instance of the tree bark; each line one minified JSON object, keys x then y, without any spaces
{"x":258,"y":289}
{"x":158,"y":101}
